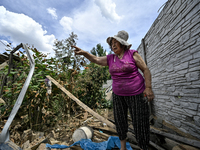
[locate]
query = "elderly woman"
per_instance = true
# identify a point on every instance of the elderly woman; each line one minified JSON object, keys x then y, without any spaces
{"x":129,"y":87}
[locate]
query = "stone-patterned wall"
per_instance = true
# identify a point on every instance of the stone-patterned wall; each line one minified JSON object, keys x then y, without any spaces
{"x":173,"y":56}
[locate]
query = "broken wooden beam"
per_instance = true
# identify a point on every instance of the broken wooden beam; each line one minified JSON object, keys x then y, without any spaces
{"x":191,"y":142}
{"x":102,"y":119}
{"x":102,"y":135}
{"x":135,"y":146}
{"x":156,"y":146}
{"x":106,"y":129}
{"x":3,"y":65}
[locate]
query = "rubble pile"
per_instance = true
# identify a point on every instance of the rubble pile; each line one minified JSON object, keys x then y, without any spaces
{"x":162,"y":134}
{"x":62,"y":133}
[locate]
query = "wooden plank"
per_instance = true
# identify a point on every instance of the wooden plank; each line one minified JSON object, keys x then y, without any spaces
{"x":108,"y":129}
{"x":102,"y":135}
{"x":156,"y":146}
{"x":99,"y":117}
{"x":3,"y":65}
{"x":85,"y":115}
{"x":135,"y":147}
{"x":191,"y":142}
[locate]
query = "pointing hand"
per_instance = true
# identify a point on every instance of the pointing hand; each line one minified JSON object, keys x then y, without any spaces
{"x":78,"y":51}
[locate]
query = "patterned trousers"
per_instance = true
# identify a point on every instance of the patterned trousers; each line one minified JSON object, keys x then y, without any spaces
{"x":139,"y":112}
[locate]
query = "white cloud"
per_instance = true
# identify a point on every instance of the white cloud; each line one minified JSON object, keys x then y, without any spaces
{"x":108,"y":9}
{"x":91,"y":27}
{"x":66,"y":22}
{"x":52,"y":12}
{"x":20,"y":28}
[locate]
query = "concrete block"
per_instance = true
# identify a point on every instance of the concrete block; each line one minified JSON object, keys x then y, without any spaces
{"x":169,"y":81}
{"x":191,"y":99}
{"x":191,"y":95}
{"x":186,"y":58}
{"x":188,"y":124}
{"x":184,"y":38}
{"x":195,"y":61}
{"x":194,"y":11}
{"x":181,"y":72}
{"x":181,"y":8}
{"x":187,"y":11}
{"x":197,"y":120}
{"x":178,"y":110}
{"x":176,"y":33}
{"x":174,"y":115}
{"x":194,"y":65}
{"x":174,"y":100}
{"x":193,"y":69}
{"x":171,"y":88}
{"x":191,"y":91}
{"x":166,"y":97}
{"x":169,"y":68}
{"x":181,"y":66}
{"x":192,"y":106}
{"x":194,"y":133}
{"x":169,"y":105}
{"x":176,"y":123}
{"x":195,"y":30}
{"x":165,"y":39}
{"x":183,"y":130}
{"x":195,"y":48}
{"x":192,"y":76}
{"x":196,"y":82}
{"x":189,"y":43}
{"x":183,"y":53}
{"x":196,"y":55}
{"x":190,"y":113}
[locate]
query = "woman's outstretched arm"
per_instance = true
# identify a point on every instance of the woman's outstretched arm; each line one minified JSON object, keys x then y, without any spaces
{"x":98,"y":60}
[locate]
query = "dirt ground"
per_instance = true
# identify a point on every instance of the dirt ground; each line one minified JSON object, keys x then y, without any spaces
{"x":62,"y":132}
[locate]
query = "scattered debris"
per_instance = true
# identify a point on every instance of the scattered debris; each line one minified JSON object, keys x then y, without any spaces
{"x":62,"y":134}
{"x":103,"y":127}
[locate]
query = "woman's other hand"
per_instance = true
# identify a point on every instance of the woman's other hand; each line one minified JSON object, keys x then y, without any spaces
{"x":149,"y":93}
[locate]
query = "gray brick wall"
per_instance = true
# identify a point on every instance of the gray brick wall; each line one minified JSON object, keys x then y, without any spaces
{"x":173,"y":56}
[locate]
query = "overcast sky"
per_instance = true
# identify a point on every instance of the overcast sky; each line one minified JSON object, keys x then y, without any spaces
{"x":40,"y":22}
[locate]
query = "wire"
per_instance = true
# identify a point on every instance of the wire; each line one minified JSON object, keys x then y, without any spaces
{"x":8,"y":45}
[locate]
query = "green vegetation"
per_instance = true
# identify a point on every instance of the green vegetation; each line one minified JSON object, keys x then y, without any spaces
{"x":40,"y":109}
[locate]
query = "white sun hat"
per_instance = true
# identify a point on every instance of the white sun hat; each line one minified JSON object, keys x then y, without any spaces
{"x":122,"y":37}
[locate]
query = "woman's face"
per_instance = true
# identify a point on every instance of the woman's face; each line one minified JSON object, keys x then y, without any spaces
{"x":117,"y":49}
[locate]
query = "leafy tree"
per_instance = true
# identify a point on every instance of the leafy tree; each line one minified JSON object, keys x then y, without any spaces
{"x":92,"y":80}
{"x":36,"y":98}
{"x":64,"y":52}
{"x":98,"y":51}
{"x":70,"y":64}
{"x":39,"y":109}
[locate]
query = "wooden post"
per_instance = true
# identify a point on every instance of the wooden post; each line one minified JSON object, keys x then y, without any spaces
{"x":191,"y":142}
{"x":110,"y":124}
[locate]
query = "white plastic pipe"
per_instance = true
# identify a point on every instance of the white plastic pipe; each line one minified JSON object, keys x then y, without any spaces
{"x":4,"y":135}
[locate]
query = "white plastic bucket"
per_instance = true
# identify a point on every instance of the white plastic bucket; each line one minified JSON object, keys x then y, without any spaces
{"x":83,"y":132}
